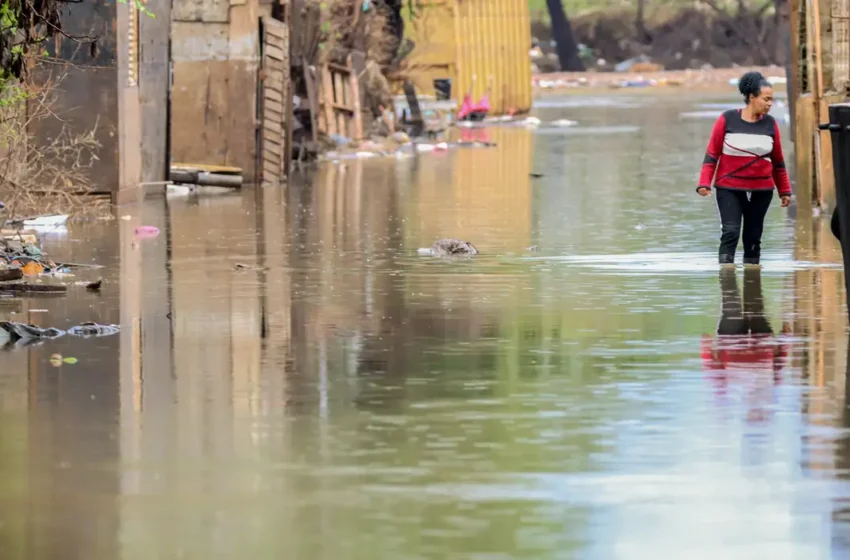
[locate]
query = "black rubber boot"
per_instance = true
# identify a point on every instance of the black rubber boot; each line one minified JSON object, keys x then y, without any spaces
{"x":752,"y":261}
{"x":727,"y":259}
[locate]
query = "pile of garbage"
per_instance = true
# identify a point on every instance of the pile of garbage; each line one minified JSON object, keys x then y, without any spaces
{"x":24,"y":269}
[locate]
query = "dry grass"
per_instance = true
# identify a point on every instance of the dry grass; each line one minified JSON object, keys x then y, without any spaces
{"x":38,"y":177}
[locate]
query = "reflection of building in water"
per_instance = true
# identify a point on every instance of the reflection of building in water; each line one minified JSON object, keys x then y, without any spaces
{"x":52,"y":505}
{"x":840,"y":526}
{"x":481,"y":195}
{"x":820,"y":323}
{"x":817,"y":298}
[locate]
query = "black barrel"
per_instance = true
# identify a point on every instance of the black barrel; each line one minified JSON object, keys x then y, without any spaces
{"x":839,"y":127}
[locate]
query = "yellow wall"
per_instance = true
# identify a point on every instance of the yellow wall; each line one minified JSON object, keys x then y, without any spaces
{"x":476,"y":43}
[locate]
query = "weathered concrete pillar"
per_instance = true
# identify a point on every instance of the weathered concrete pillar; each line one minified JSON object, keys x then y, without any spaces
{"x":154,"y":91}
{"x":129,"y":111}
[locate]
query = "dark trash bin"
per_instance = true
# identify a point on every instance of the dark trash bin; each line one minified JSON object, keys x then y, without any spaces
{"x":839,"y":128}
{"x":443,"y":89}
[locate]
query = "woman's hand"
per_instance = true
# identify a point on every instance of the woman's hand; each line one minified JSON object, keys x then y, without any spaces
{"x":704,"y":191}
{"x":786,"y":200}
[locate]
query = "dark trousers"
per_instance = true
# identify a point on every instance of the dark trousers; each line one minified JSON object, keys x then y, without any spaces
{"x":735,"y":207}
{"x":742,"y":318}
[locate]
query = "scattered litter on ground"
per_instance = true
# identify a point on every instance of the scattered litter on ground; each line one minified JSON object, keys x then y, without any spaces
{"x":25,"y":270}
{"x":772,"y":80}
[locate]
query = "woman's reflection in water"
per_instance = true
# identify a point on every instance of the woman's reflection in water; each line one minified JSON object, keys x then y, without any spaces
{"x":745,"y":356}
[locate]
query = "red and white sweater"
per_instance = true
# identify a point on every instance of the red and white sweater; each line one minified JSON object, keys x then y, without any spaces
{"x":745,"y":155}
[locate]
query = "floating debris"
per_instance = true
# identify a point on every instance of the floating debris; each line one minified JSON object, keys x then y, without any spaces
{"x":242,"y":266}
{"x":10,"y":274}
{"x":146,"y":232}
{"x":15,"y":332}
{"x":449,"y":248}
{"x":23,"y":331}
{"x":33,"y":288}
{"x":57,"y":360}
{"x":89,"y":330}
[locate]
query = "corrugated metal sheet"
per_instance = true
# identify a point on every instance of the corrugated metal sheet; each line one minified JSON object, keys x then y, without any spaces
{"x":479,"y":45}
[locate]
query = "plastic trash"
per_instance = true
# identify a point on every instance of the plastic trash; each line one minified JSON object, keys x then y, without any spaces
{"x":46,"y":221}
{"x":147,"y":232}
{"x":564,"y":122}
{"x":87,"y":330}
{"x":339,"y":140}
{"x":23,"y":331}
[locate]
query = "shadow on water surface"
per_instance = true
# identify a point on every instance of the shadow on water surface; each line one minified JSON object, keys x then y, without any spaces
{"x":341,"y":397}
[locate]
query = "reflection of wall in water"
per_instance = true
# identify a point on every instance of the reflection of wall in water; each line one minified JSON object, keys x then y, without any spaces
{"x":488,"y":201}
{"x":61,"y":421}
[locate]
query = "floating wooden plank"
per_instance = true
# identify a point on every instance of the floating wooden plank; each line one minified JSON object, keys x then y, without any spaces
{"x":33,"y":288}
{"x":208,"y":168}
{"x":9,"y":274}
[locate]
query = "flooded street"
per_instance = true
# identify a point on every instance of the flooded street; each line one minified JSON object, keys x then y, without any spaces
{"x":344,"y":398}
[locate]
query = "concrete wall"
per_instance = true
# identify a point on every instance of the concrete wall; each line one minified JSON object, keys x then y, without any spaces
{"x":215,"y":55}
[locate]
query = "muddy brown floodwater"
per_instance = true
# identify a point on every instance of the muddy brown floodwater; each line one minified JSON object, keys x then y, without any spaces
{"x":354,"y":400}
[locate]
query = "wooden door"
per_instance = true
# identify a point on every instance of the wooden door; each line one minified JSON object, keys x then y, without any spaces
{"x":276,"y":102}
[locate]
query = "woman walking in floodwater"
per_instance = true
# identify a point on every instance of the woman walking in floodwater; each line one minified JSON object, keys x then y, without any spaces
{"x":744,"y":160}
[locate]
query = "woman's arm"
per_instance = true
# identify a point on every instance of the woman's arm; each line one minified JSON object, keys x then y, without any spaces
{"x":712,"y":153}
{"x":780,"y":174}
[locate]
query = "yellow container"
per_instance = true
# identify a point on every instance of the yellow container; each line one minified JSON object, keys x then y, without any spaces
{"x":479,"y":45}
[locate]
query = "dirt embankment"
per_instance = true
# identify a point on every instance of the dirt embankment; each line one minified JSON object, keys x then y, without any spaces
{"x":687,"y":39}
{"x":668,"y":81}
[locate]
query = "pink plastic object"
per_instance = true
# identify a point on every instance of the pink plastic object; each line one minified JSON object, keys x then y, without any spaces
{"x":483,"y":105}
{"x":147,"y":232}
{"x":465,"y":107}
